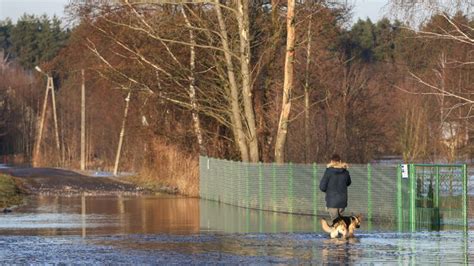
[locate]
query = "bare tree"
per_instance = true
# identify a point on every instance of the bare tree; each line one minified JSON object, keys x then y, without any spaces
{"x":192,"y":85}
{"x":237,"y":125}
{"x":173,"y":71}
{"x":446,"y":23}
{"x":244,"y":35}
{"x":454,"y":30}
{"x":83,"y":121}
{"x":413,"y":135}
{"x":287,"y":84}
{"x":307,"y":139}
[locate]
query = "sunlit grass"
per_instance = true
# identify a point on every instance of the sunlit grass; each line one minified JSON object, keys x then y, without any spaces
{"x":171,"y":171}
{"x":10,"y":193}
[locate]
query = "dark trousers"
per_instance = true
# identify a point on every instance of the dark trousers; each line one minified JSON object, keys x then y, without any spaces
{"x":335,"y":212}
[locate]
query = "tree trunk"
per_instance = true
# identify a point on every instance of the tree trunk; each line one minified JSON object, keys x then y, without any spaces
{"x":287,"y":85}
{"x":307,"y":136}
{"x":83,"y":121}
{"x":192,"y":84}
{"x":236,"y":121}
{"x":442,"y":76}
{"x":244,"y":28}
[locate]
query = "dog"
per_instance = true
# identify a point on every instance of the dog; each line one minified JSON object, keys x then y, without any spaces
{"x":342,"y":225}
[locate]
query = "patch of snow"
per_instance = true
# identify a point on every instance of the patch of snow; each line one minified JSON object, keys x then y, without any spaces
{"x":4,"y":166}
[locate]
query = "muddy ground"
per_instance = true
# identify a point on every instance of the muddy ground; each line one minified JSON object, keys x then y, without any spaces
{"x":63,"y":182}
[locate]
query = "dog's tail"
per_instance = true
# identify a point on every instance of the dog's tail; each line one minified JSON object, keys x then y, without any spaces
{"x":325,"y":226}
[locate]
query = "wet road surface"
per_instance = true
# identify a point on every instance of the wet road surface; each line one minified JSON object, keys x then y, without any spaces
{"x":54,"y":181}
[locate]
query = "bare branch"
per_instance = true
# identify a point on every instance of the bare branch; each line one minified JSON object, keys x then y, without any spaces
{"x":91,"y":46}
{"x":441,"y":92}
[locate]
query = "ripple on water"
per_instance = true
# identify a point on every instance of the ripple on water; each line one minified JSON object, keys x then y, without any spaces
{"x":111,"y":230}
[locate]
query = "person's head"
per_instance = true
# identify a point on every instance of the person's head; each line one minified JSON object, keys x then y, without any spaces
{"x":336,"y":162}
{"x":336,"y":158}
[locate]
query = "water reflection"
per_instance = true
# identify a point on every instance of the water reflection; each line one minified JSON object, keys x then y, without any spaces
{"x":86,"y":215}
{"x":164,"y":229}
{"x":342,"y":252}
{"x":83,"y":215}
{"x":90,"y":215}
{"x":215,"y":216}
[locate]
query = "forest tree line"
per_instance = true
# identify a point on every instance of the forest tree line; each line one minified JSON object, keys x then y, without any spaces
{"x":208,"y":78}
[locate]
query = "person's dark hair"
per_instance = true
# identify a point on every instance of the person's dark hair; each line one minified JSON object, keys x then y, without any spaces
{"x":335,"y":157}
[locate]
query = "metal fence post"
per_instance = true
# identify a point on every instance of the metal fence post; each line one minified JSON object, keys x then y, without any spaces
{"x":274,"y":187}
{"x":290,"y":188}
{"x":260,"y":186}
{"x":240,"y":188}
{"x":369,"y":196}
{"x":247,"y":197}
{"x":315,"y":189}
{"x":399,"y":198}
{"x":202,"y":179}
{"x":232,"y":183}
{"x":436,"y":197}
{"x":247,"y":220}
{"x":412,"y":197}
{"x":436,"y":194}
{"x":247,"y":185}
{"x":315,"y":197}
{"x":464,"y":196}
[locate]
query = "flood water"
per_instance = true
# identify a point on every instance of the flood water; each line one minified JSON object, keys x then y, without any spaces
{"x":176,"y":230}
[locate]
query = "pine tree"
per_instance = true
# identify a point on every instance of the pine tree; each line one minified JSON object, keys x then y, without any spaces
{"x":35,"y":40}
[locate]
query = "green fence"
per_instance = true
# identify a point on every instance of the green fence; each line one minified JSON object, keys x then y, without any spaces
{"x":378,"y":192}
{"x":439,"y":196}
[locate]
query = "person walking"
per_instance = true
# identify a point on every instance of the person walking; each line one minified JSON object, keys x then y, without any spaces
{"x":334,"y":183}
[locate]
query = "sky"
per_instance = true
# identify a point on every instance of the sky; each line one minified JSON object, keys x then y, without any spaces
{"x":373,"y":9}
{"x":16,"y":8}
{"x":13,"y":9}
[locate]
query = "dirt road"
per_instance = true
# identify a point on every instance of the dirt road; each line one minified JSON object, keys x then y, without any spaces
{"x":59,"y":181}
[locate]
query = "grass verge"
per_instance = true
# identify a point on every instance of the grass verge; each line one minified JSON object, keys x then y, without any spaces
{"x":10,"y":192}
{"x":169,"y":170}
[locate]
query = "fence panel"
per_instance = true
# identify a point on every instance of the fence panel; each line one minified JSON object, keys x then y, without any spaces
{"x":378,"y":192}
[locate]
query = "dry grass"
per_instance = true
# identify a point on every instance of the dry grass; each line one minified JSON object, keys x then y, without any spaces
{"x":10,"y":193}
{"x":170,"y":169}
{"x":166,"y":168}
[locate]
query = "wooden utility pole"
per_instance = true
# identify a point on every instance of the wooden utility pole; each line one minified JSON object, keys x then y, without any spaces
{"x":49,"y":87}
{"x":55,"y":117}
{"x":83,"y":122}
{"x":39,"y":134}
{"x":122,"y":133}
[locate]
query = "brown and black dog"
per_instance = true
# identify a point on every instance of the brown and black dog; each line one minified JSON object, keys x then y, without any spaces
{"x":342,"y":225}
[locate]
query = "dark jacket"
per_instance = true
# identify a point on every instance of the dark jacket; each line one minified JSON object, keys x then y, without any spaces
{"x":335,"y":181}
